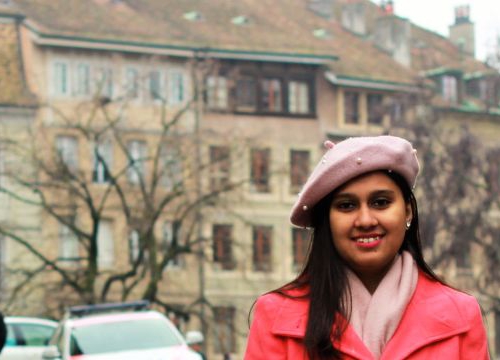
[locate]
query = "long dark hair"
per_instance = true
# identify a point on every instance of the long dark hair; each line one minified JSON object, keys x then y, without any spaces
{"x":324,"y":276}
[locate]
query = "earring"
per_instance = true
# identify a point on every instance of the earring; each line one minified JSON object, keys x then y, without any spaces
{"x":408,"y":224}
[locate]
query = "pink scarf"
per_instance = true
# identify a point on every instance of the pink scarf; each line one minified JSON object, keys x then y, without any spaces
{"x":376,"y":317}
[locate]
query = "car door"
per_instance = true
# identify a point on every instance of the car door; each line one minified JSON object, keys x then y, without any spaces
{"x":25,"y":341}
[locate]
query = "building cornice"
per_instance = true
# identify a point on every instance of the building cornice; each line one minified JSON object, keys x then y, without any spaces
{"x":137,"y":47}
{"x":370,"y":83}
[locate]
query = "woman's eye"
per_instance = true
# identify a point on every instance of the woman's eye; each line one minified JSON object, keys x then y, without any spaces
{"x":381,"y":202}
{"x":345,"y":205}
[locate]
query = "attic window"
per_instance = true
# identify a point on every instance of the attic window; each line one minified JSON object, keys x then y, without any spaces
{"x":322,"y":34}
{"x":192,"y":16}
{"x":240,"y":20}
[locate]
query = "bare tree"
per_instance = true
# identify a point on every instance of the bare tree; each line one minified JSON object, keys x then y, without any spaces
{"x":458,"y":192}
{"x":141,"y":175}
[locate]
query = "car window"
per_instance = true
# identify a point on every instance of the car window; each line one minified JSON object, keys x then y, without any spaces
{"x":35,"y":335}
{"x":19,"y":334}
{"x":123,"y":336}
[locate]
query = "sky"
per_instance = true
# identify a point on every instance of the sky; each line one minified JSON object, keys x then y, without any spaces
{"x":437,"y":15}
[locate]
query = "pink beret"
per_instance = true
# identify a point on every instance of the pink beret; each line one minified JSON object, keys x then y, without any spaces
{"x":348,"y":159}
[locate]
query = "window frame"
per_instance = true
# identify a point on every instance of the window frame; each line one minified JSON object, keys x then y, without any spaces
{"x":67,"y":151}
{"x":375,"y":112}
{"x":170,"y":239}
{"x":352,"y":98}
{"x":260,"y":176}
{"x":217,"y":94}
{"x":68,"y":240}
{"x":101,"y":171}
{"x":302,"y":173}
{"x":61,"y":82}
{"x":137,"y":150}
{"x":106,"y":260}
{"x":222,"y":247}
{"x":300,"y":251}
{"x":220,"y":167}
{"x":310,"y":96}
{"x":262,"y":243}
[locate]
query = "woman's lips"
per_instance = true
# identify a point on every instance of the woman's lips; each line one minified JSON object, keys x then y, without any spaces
{"x":368,"y":241}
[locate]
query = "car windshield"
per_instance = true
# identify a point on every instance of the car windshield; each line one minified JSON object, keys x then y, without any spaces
{"x":123,"y":336}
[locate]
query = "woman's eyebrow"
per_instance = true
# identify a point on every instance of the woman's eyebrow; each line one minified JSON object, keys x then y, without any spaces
{"x":386,"y":192}
{"x":383,"y":192}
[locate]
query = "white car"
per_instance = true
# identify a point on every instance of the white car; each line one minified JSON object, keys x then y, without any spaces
{"x":91,"y":334}
{"x":27,"y":337}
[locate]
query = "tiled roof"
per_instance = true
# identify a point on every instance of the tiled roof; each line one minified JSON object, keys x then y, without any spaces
{"x":274,"y":26}
{"x":431,"y":51}
{"x":12,"y":85}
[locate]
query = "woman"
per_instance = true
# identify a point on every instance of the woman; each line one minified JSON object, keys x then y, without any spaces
{"x":365,"y":291}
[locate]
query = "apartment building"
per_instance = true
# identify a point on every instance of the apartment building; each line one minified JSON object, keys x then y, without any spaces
{"x":259,"y":85}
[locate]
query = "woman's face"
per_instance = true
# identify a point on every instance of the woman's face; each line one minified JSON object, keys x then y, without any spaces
{"x":368,"y":218}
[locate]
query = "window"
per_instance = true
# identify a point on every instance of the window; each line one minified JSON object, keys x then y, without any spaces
{"x":449,"y":88}
{"x":222,"y":246}
{"x":132,"y":83}
{"x":171,"y":173}
{"x":68,"y":244}
{"x":105,"y":245}
{"x":351,"y":107}
{"x":104,"y":82}
{"x":67,"y":151}
{"x":259,"y":172}
{"x":398,"y":110}
{"x":82,"y":86}
{"x":299,"y":169}
{"x":220,"y":167}
{"x":137,"y":156}
{"x":28,"y":334}
{"x":217,"y":96}
{"x":103,"y":162}
{"x":134,"y":246}
{"x":262,"y":237}
{"x":61,"y":85}
{"x":272,"y":97}
{"x":171,"y":241}
{"x":298,"y":97}
{"x":176,"y":87}
{"x":300,"y":247}
{"x":155,"y":85}
{"x":375,"y":109}
{"x":224,"y":330}
{"x":246,"y":94}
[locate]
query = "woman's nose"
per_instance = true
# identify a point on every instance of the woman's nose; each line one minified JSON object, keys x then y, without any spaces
{"x":365,"y":218}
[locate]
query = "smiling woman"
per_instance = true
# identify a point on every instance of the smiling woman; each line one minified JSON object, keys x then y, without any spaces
{"x":365,"y":291}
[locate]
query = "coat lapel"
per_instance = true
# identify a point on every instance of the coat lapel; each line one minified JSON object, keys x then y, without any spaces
{"x":291,"y":319}
{"x":431,"y":316}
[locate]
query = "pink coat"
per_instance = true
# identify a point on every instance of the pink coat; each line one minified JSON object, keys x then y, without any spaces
{"x":439,"y":323}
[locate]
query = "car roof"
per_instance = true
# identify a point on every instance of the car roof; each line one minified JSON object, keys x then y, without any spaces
{"x":29,"y":320}
{"x":102,"y":318}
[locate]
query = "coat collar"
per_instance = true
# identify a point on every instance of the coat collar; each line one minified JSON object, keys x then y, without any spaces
{"x":431,"y":315}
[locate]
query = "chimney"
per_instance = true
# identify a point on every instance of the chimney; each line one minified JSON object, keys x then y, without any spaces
{"x":393,"y":35}
{"x":323,"y":8}
{"x":387,"y":7}
{"x":462,"y":31}
{"x":353,"y":17}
